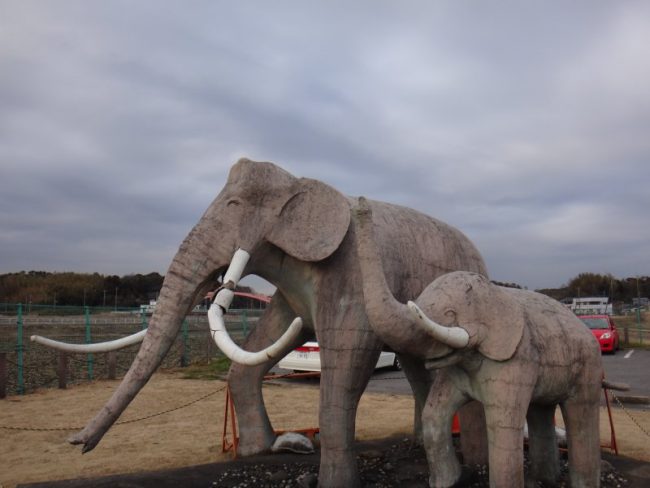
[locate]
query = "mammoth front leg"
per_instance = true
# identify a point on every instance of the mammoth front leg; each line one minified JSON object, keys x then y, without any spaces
{"x":348,"y":358}
{"x":506,"y":393}
{"x":255,"y":431}
{"x":506,"y":444}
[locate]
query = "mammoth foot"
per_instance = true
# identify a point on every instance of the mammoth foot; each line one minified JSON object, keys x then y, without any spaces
{"x":249,"y":445}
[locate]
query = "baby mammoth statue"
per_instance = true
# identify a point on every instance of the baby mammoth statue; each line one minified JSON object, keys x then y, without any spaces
{"x":517,"y":352}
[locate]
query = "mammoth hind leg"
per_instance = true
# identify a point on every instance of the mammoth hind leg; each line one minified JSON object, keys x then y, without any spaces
{"x":420,"y":380}
{"x":542,"y":444}
{"x":583,"y":441}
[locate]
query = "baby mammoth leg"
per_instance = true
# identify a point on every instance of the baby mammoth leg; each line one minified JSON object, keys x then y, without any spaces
{"x":437,"y":415}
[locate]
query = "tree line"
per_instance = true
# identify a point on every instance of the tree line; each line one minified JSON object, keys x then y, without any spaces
{"x":92,"y":290}
{"x":96,"y":290}
{"x":602,"y":285}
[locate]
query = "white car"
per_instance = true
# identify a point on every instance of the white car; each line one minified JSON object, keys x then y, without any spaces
{"x":307,"y":358}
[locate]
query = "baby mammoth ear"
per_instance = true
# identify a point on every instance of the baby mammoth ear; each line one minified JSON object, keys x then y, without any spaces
{"x":504,"y":326}
{"x":313,"y":221}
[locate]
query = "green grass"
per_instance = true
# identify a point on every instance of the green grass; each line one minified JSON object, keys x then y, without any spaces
{"x":213,"y":370}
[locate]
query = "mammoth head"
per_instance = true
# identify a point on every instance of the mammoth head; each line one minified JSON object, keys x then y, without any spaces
{"x":305,"y":218}
{"x":492,"y":318}
{"x":263,"y":203}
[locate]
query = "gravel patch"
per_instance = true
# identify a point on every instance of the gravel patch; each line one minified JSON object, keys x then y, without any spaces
{"x":399,"y":465}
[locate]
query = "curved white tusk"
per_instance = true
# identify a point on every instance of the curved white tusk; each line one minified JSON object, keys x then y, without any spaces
{"x":233,"y":274}
{"x":237,"y":354}
{"x":455,"y":337}
{"x":87,"y":348}
{"x":224,"y":298}
{"x":237,"y":265}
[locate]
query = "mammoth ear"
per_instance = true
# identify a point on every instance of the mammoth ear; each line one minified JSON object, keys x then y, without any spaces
{"x":504,"y":327}
{"x":312,"y":223}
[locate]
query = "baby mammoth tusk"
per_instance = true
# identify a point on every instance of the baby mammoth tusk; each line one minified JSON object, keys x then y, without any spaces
{"x":455,"y":337}
{"x":88,"y":348}
{"x":237,"y":354}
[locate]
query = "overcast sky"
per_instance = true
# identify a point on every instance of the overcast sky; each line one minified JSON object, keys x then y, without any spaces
{"x":524,"y":124}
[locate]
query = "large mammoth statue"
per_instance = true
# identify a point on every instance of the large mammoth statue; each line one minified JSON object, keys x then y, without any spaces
{"x":518,"y":352}
{"x":297,"y":234}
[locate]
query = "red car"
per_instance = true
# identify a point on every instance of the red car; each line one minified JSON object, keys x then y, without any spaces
{"x":603,"y":329}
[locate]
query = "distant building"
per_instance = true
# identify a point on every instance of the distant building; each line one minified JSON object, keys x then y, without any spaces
{"x":148,"y":309}
{"x":591,"y":306}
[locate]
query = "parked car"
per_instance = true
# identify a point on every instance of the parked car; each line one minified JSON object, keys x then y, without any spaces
{"x":307,"y":358}
{"x":603,"y":329}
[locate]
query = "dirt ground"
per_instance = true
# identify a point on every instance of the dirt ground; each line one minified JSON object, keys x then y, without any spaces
{"x":190,"y":435}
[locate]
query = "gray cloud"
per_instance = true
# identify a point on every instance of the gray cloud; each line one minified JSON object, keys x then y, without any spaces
{"x":523,"y":125}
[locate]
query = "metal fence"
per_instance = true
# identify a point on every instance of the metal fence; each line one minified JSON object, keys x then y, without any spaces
{"x":26,"y":366}
{"x":634,"y":336}
{"x":634,"y":330}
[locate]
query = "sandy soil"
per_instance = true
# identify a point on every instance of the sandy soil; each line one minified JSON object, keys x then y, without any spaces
{"x":190,"y":435}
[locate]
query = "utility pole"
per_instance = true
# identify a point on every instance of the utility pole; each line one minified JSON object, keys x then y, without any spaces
{"x":638,"y":304}
{"x":116,"y":298}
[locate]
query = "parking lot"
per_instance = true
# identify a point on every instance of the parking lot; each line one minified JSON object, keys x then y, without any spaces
{"x":630,"y":366}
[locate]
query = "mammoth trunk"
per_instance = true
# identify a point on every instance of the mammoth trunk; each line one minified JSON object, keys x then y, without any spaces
{"x":385,"y":313}
{"x":396,"y":325}
{"x":182,"y":282}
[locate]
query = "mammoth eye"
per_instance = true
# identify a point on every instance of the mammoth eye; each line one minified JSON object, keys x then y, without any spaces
{"x":450,"y":315}
{"x":234,"y":202}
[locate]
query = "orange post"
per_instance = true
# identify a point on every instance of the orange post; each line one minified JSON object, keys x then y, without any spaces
{"x":612,"y":436}
{"x":226,"y":444}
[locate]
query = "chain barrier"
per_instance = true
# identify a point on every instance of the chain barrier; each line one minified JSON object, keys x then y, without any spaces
{"x":218,"y":390}
{"x":123,"y":422}
{"x":157,"y":414}
{"x":632,"y":418}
